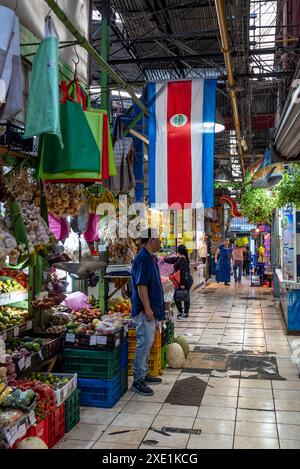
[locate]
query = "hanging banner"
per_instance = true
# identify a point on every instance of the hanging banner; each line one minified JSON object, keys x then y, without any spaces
{"x":181,"y":134}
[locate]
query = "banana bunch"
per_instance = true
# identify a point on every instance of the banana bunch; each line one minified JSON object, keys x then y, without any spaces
{"x":105,"y":198}
{"x":4,"y":392}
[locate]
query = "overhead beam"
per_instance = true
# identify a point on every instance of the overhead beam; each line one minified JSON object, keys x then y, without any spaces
{"x":208,"y":55}
{"x":85,"y":44}
{"x":204,"y":34}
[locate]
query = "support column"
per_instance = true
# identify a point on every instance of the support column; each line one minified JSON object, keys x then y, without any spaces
{"x":105,"y":105}
{"x":105,"y":47}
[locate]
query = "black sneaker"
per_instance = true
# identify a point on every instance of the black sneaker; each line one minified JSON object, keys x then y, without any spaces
{"x":152,"y":380}
{"x":141,"y":388}
{"x":180,"y":316}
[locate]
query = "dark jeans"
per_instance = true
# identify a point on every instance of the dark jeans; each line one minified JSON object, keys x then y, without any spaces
{"x":238,"y":270}
{"x":246,"y":267}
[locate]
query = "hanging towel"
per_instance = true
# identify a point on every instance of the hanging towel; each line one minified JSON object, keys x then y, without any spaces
{"x":43,"y":115}
{"x":11,"y":96}
{"x":124,"y":180}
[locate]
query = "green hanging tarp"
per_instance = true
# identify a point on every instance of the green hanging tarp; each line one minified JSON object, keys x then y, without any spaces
{"x":80,"y":152}
{"x":43,"y":115}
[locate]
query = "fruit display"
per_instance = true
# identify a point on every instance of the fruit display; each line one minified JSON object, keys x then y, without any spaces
{"x":7,"y":367}
{"x":120,"y":305}
{"x":57,"y":382}
{"x":18,"y":399}
{"x":16,"y":275}
{"x":8,"y":247}
{"x":45,"y":397}
{"x":121,"y":251}
{"x":8,"y":285}
{"x":64,"y":200}
{"x":5,"y":392}
{"x":86,"y":315}
{"x":182,"y":341}
{"x":94,"y":200}
{"x":10,"y":317}
{"x":24,"y":346}
{"x":55,"y":329}
{"x":47,"y":301}
{"x":9,"y":417}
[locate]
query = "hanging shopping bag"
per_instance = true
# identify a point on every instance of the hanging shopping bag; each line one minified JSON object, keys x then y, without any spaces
{"x":92,"y":232}
{"x":80,"y":152}
{"x":43,"y":115}
{"x":175,"y":279}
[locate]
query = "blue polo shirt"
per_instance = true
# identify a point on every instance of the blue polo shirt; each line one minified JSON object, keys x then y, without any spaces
{"x":144,"y":271}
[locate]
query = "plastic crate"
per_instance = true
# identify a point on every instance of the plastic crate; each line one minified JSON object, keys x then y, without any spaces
{"x":124,"y":354}
{"x":40,"y":430}
{"x":72,"y":410}
{"x":56,"y":425}
{"x":13,"y":137}
{"x":103,"y":342}
{"x":98,"y":364}
{"x":154,"y":364}
{"x":64,"y":392}
{"x":54,"y":347}
{"x":100,"y":392}
{"x":157,"y":343}
{"x":124,"y":381}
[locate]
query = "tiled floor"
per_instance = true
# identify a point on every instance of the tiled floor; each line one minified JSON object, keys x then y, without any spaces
{"x":235,"y":412}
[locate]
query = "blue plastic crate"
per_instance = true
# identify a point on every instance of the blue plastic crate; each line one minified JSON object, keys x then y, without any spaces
{"x":124,"y":353}
{"x":99,"y":392}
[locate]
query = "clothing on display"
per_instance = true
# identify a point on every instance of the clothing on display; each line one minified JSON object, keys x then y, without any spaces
{"x":11,"y":96}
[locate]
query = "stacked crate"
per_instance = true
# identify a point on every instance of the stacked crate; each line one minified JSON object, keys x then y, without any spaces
{"x":155,"y":358}
{"x":102,"y":374}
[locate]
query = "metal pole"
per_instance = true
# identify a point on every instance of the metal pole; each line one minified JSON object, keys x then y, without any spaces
{"x":83,"y":42}
{"x":105,"y":46}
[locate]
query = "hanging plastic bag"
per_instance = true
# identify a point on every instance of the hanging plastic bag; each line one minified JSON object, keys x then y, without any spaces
{"x":91,"y":233}
{"x":76,"y":301}
{"x":72,"y":248}
{"x":43,"y":116}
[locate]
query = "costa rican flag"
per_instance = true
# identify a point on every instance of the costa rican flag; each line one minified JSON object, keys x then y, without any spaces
{"x":181,"y":135}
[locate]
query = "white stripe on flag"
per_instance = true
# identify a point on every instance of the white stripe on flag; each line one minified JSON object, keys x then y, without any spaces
{"x":161,"y":160}
{"x":196,"y":137}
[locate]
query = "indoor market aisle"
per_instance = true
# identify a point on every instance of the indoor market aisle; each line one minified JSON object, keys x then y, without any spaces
{"x":235,"y":333}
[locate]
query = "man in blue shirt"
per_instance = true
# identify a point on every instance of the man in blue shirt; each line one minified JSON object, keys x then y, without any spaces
{"x":147,"y":308}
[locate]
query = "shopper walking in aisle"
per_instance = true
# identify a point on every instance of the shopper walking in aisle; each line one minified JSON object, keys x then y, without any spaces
{"x":246,"y":261}
{"x":237,"y":259}
{"x":147,"y":308}
{"x":182,"y":263}
{"x":223,"y":261}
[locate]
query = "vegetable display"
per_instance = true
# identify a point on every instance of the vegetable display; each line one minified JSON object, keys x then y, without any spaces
{"x":64,"y":200}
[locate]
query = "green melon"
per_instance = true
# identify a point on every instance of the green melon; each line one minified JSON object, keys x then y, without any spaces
{"x":183,"y":344}
{"x":175,"y":356}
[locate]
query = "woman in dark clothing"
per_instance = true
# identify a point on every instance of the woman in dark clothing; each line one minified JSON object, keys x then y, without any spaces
{"x":181,"y":262}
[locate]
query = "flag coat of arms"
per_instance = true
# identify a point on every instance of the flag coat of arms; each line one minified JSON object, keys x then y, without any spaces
{"x":181,"y":143}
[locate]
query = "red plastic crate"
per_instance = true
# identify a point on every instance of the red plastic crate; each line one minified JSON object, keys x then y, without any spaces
{"x":56,"y":425}
{"x":39,"y":430}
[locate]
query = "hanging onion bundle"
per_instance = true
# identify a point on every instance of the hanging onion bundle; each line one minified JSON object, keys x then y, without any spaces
{"x":64,"y":200}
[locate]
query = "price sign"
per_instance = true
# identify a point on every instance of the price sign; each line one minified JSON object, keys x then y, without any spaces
{"x":27,"y":362}
{"x":70,"y":338}
{"x":16,"y":331}
{"x":21,"y":363}
{"x":32,"y":418}
{"x":29,"y":325}
{"x":22,"y":430}
{"x":11,"y":436}
{"x":101,"y":340}
{"x":93,"y":340}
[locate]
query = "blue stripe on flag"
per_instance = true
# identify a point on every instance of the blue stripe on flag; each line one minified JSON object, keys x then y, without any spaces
{"x":208,"y":143}
{"x":152,"y":139}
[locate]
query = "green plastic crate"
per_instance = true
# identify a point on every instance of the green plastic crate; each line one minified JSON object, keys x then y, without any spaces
{"x":97,"y":364}
{"x":72,"y":410}
{"x":124,"y":381}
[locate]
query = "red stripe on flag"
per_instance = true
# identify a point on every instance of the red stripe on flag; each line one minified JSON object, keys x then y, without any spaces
{"x":179,"y":143}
